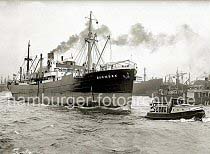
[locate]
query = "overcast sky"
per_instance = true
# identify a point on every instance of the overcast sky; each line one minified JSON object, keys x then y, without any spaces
{"x":47,"y":24}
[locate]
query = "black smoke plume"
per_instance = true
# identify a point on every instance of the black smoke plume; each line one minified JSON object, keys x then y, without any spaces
{"x":137,"y":35}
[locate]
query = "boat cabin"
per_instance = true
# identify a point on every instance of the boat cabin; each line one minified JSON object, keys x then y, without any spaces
{"x":167,"y":107}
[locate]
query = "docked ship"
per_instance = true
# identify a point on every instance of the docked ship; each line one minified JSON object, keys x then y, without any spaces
{"x":144,"y":87}
{"x":70,"y":83}
{"x":147,"y":88}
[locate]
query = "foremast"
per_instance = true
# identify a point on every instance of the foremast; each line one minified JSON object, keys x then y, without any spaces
{"x":89,"y":39}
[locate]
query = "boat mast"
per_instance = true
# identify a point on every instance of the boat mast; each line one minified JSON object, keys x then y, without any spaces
{"x":21,"y":74}
{"x":40,"y":69}
{"x":89,"y":61}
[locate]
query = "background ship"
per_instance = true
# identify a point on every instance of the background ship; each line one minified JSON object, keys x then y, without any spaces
{"x":144,"y":87}
{"x":3,"y":87}
{"x":96,"y":83}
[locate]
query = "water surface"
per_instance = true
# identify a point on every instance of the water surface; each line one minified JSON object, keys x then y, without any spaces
{"x":28,"y":129}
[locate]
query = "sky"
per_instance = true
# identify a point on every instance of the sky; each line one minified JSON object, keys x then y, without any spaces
{"x":161,"y":36}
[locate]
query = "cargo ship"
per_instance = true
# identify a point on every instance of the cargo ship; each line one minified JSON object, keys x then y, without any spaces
{"x":88,"y":85}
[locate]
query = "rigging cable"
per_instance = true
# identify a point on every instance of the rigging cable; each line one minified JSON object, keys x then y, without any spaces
{"x":108,"y":38}
{"x":99,"y":52}
{"x":81,"y":53}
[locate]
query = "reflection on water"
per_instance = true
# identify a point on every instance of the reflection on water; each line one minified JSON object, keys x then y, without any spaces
{"x":26,"y":129}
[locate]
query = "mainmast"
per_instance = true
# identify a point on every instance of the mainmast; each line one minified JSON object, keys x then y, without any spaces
{"x":89,"y":61}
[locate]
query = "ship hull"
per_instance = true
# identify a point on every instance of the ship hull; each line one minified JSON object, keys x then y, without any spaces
{"x":101,"y":88}
{"x":197,"y":114}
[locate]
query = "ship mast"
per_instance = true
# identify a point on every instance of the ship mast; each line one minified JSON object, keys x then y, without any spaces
{"x":28,"y":59}
{"x":89,"y":61}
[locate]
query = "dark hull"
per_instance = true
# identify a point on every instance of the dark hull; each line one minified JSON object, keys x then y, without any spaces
{"x":111,"y":81}
{"x":97,"y":85}
{"x":197,"y":114}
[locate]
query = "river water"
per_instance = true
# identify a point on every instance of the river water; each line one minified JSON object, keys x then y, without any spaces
{"x":29,"y":129}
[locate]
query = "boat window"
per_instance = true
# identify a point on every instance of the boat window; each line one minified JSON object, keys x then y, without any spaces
{"x":174,"y":101}
{"x":163,"y":109}
{"x":181,"y":101}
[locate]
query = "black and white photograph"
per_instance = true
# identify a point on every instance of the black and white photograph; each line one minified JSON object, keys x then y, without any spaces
{"x":104,"y":77}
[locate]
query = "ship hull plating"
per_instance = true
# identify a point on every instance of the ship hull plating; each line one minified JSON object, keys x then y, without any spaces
{"x":111,"y":88}
{"x":197,"y":114}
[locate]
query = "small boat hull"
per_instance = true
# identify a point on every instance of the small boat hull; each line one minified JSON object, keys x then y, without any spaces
{"x":197,"y":114}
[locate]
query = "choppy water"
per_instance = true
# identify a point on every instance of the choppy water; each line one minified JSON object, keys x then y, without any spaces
{"x":27,"y":129}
